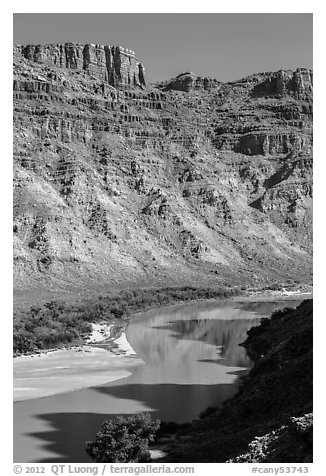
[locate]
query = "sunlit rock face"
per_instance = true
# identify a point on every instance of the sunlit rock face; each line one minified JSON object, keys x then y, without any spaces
{"x":190,"y":180}
{"x":113,"y":64}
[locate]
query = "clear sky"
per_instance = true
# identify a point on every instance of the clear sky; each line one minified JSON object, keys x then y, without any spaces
{"x":226,"y":46}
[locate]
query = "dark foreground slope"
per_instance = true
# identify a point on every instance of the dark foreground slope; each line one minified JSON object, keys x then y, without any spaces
{"x":270,"y":419}
{"x":192,"y":181}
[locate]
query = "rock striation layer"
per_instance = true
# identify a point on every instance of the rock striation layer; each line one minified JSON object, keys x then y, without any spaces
{"x":189,"y":82}
{"x":113,"y":64}
{"x":193,"y":179}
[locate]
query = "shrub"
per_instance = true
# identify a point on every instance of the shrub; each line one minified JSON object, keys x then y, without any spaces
{"x":124,"y":440}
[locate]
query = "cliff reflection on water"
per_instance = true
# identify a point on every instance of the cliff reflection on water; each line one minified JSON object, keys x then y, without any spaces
{"x":181,"y":340}
{"x":175,"y":348}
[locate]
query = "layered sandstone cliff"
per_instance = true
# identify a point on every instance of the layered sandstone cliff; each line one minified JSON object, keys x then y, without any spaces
{"x":113,"y":64}
{"x":194,"y":179}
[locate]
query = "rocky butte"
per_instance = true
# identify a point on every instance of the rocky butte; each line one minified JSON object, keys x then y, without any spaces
{"x":120,"y":182}
{"x":112,"y":64}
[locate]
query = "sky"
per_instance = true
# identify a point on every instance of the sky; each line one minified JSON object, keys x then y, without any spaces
{"x":225,"y":46}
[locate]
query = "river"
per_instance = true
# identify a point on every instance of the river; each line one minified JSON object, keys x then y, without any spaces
{"x":191,"y":360}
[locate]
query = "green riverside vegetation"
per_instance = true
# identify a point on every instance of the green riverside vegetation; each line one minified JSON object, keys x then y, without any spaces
{"x":56,"y":323}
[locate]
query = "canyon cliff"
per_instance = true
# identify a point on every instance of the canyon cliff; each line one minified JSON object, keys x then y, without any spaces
{"x":120,"y":182}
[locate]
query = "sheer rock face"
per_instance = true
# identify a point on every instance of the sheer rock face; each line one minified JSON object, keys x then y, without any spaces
{"x":195,"y":180}
{"x":116,"y":65}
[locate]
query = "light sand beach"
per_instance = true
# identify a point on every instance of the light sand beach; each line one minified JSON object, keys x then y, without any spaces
{"x":60,"y":371}
{"x":270,"y":296}
{"x":100,"y":332}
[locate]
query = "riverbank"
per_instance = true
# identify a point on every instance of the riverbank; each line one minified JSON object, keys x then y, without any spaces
{"x":269,"y":295}
{"x":59,"y":371}
{"x":192,"y":362}
{"x":270,"y":419}
{"x":58,"y":323}
{"x":54,"y":371}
